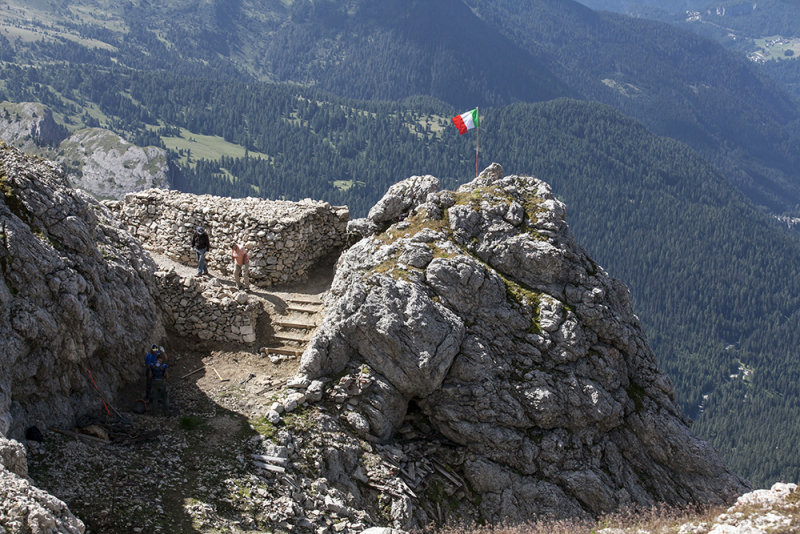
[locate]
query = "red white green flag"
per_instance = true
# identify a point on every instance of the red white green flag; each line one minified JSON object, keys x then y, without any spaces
{"x":467,"y":121}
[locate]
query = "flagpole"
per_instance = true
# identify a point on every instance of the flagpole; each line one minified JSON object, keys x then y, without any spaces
{"x":477,"y":140}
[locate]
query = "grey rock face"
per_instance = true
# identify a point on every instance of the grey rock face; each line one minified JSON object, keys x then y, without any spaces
{"x":24,"y":508}
{"x":27,"y":124}
{"x":402,"y":197}
{"x":76,"y":296}
{"x":492,"y":320}
{"x":109,"y":167}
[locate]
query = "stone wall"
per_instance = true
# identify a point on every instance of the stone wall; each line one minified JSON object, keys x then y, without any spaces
{"x":284,"y":238}
{"x":206,"y":309}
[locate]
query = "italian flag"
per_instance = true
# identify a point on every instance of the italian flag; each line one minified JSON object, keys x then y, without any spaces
{"x":467,"y":121}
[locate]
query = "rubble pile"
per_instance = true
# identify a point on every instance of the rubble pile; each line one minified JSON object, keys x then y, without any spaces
{"x":25,"y":508}
{"x":308,"y":473}
{"x":758,"y":512}
{"x":285,"y":239}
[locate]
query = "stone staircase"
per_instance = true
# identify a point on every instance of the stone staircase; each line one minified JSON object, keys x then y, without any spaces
{"x":295,"y":328}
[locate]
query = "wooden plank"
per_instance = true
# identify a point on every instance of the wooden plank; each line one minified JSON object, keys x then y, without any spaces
{"x":303,"y":310}
{"x":270,"y":467}
{"x":270,"y":459}
{"x":306,"y":300}
{"x":290,"y":338}
{"x":306,"y":326}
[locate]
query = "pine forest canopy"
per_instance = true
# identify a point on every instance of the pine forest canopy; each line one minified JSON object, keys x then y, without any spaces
{"x":713,"y":278}
{"x":677,"y":84}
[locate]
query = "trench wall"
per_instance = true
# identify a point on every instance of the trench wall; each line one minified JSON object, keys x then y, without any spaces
{"x":285,"y":239}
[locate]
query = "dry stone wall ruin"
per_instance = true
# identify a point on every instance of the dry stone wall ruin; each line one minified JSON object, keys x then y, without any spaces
{"x":285,"y":239}
{"x":206,"y":309}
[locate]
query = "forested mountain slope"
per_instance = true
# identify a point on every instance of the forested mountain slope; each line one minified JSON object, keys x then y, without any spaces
{"x":768,"y":32}
{"x":624,"y":6}
{"x":676,"y":83}
{"x":498,"y":52}
{"x":360,"y":49}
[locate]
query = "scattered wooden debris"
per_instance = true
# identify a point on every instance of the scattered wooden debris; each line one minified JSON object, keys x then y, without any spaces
{"x":442,"y":469}
{"x":82,"y":436}
{"x":193,"y":372}
{"x":270,"y":467}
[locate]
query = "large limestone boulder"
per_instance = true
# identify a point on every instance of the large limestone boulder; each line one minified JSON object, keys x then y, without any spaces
{"x":76,"y":296}
{"x":482,"y":311}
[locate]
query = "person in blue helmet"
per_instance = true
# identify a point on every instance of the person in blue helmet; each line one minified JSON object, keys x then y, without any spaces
{"x":201,"y":244}
{"x":159,"y":373}
{"x":149,"y":359}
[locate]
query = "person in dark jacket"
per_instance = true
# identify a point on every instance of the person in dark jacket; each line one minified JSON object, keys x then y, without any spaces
{"x":149,"y":359}
{"x":159,"y":374}
{"x":201,"y":245}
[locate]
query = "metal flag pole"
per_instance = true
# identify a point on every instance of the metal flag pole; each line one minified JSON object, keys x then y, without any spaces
{"x":477,"y":139}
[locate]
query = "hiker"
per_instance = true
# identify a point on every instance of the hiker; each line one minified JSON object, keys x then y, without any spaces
{"x":241,"y":261}
{"x":201,"y":245}
{"x":159,"y":374}
{"x":149,"y":359}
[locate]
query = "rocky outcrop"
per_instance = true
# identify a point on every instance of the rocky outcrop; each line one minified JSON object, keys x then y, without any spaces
{"x":285,"y":239}
{"x":481,"y":311}
{"x":108,"y":167}
{"x":758,"y":512}
{"x":75,"y":298}
{"x":29,"y":126}
{"x":24,"y":508}
{"x":96,"y":160}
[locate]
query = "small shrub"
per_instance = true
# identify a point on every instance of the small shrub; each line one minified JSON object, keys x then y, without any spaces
{"x":190,"y":422}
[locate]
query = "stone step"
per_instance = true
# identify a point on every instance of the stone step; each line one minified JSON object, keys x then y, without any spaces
{"x":303,"y":300}
{"x":301,"y":326}
{"x":303,"y":310}
{"x":280,"y":350}
{"x":285,"y":337}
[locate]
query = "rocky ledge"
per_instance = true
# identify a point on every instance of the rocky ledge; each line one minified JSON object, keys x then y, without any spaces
{"x":478,"y":313}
